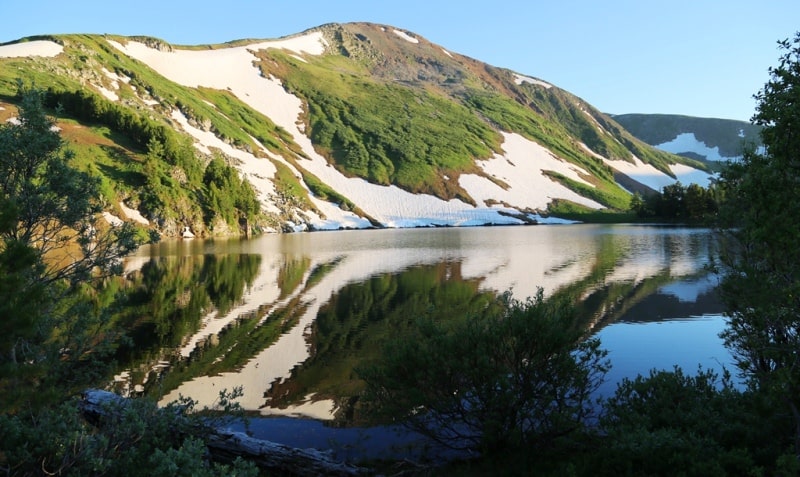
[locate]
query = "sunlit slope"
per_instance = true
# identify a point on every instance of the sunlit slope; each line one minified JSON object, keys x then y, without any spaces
{"x":341,"y":126}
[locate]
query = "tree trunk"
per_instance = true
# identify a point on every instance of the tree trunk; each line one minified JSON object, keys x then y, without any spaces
{"x":225,"y":445}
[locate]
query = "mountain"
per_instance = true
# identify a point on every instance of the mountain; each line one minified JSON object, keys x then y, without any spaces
{"x":707,"y":139}
{"x":342,"y":126}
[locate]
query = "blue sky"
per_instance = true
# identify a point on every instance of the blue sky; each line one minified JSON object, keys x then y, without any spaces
{"x":696,"y":57}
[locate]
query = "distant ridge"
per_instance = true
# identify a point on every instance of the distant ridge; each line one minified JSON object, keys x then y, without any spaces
{"x":698,"y":138}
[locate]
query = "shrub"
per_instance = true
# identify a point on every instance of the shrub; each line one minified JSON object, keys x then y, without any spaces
{"x":518,"y":374}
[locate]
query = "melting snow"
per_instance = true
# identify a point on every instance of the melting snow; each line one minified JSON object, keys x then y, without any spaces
{"x":687,"y":142}
{"x":406,"y":36}
{"x":133,"y":214}
{"x":655,"y":179}
{"x":519,"y":79}
{"x":112,"y":219}
{"x":31,"y":48}
{"x":522,"y":165}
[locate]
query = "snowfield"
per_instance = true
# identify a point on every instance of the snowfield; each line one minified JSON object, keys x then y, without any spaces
{"x":687,"y":142}
{"x":655,"y":179}
{"x":31,"y":48}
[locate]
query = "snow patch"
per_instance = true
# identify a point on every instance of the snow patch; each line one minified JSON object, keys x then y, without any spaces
{"x":405,"y":36}
{"x":112,"y":219}
{"x":689,"y":175}
{"x":108,"y":94}
{"x":655,"y":179}
{"x":447,"y":53}
{"x":133,"y":214}
{"x":524,"y":163}
{"x":519,"y":79}
{"x":191,"y":67}
{"x":31,"y":48}
{"x":688,"y":142}
{"x":641,"y":172}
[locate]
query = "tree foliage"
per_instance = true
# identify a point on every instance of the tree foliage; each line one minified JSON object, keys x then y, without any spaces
{"x":677,"y":202}
{"x":137,"y":438}
{"x":671,"y":423}
{"x":52,"y":238}
{"x":517,"y":375}
{"x":227,"y":195}
{"x":761,"y":253}
{"x":175,"y":190}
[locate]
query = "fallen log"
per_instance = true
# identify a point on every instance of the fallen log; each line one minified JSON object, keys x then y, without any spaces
{"x":224,"y":445}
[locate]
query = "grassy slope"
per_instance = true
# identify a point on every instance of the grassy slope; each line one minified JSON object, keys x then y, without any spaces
{"x":118,"y":158}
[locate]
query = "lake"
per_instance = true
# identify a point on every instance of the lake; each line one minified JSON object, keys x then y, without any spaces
{"x":289,"y":316}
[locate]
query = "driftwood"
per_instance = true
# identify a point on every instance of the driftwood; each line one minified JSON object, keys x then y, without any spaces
{"x":225,"y":445}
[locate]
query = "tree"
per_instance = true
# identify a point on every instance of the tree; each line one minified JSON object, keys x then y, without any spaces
{"x":52,"y":238}
{"x":671,"y":205}
{"x":518,"y":374}
{"x":761,"y":244}
{"x":227,"y":195}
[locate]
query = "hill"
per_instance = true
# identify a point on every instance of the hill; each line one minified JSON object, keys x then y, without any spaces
{"x":697,"y":138}
{"x":342,"y":126}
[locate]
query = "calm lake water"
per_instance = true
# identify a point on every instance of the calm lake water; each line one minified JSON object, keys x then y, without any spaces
{"x":288,"y":317}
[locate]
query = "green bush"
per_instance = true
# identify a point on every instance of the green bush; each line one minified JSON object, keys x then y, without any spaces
{"x":670,"y":423}
{"x":135,"y":439}
{"x":518,"y":375}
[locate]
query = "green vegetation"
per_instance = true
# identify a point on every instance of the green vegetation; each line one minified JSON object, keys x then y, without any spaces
{"x":761,"y":254}
{"x":515,"y":376}
{"x":58,"y":322}
{"x":388,"y":133}
{"x":227,"y":195}
{"x":53,"y":250}
{"x":137,"y":155}
{"x":677,"y":202}
{"x":511,"y":380}
{"x":571,"y":211}
{"x":137,"y":439}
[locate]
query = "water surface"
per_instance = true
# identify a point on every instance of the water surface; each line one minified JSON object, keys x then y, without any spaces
{"x":288,"y":317}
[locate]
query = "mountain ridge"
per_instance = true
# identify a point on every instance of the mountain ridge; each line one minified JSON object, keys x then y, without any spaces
{"x":342,"y":126}
{"x":709,"y":139}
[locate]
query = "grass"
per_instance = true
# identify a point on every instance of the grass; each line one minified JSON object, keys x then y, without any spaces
{"x":566,"y":209}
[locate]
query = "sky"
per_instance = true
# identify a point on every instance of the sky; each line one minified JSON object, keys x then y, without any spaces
{"x":704,"y":58}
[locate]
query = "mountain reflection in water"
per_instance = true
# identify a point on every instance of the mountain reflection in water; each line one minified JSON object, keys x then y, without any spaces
{"x":289,"y":317}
